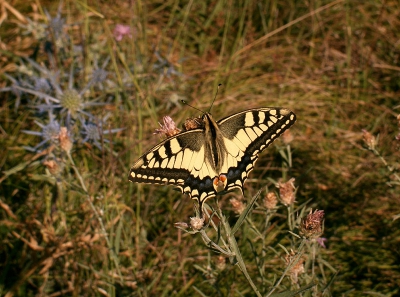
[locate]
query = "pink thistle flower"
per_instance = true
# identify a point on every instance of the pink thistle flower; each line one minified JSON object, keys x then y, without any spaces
{"x":120,"y":31}
{"x":169,"y":128}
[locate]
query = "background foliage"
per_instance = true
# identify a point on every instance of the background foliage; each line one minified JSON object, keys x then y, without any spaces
{"x":76,"y":226}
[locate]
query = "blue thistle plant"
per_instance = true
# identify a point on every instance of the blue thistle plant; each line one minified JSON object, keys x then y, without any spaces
{"x":49,"y":133}
{"x":94,"y":132}
{"x":164,"y":66}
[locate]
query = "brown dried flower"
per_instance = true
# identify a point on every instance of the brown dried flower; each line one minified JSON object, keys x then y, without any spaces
{"x":169,"y":128}
{"x":65,"y":140}
{"x":181,"y":225}
{"x":287,"y":137}
{"x":287,"y":191}
{"x":237,"y":205}
{"x":220,"y":263}
{"x":196,"y":223}
{"x":52,"y":166}
{"x":270,"y":200}
{"x":312,"y":225}
{"x":369,"y":139}
{"x":297,"y":268}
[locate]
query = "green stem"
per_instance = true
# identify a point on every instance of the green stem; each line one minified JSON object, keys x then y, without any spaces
{"x":100,"y":220}
{"x":289,"y":266}
{"x":234,"y":247}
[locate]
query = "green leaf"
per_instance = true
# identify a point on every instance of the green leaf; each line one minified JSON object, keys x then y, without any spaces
{"x":244,"y":214}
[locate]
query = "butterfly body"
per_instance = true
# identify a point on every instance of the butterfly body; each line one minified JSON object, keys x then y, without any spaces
{"x":216,"y":157}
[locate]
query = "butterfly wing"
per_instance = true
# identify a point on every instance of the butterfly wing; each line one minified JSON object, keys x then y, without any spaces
{"x":248,"y":133}
{"x":180,"y":161}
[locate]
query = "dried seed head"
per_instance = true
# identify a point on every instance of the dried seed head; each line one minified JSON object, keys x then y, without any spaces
{"x":196,"y":223}
{"x":287,"y":137}
{"x":65,"y":140}
{"x":52,"y":166}
{"x":181,"y":225}
{"x":270,"y":200}
{"x":220,"y":263}
{"x":297,"y":268}
{"x":287,"y":191}
{"x":169,"y":128}
{"x":312,"y":225}
{"x":237,"y":205}
{"x":369,"y":139}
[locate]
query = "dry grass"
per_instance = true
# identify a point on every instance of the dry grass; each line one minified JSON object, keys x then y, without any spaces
{"x":87,"y":231}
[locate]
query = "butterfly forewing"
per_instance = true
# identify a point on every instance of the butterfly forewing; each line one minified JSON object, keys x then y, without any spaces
{"x":251,"y":131}
{"x":184,"y":159}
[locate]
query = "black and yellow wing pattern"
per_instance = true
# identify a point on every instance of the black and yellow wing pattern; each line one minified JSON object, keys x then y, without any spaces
{"x":215,"y":158}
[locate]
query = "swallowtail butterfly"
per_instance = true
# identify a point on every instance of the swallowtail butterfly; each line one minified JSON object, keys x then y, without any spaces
{"x":216,"y":156}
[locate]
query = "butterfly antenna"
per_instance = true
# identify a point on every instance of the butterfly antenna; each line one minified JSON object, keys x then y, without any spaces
{"x":212,"y":103}
{"x":184,"y":102}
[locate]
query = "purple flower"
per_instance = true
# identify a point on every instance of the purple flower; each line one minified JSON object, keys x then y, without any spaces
{"x":121,"y":30}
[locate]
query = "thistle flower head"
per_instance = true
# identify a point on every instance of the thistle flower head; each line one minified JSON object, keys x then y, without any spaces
{"x":94,"y":131}
{"x":369,"y":139}
{"x":312,"y":225}
{"x":41,"y":84}
{"x":237,"y":205}
{"x":295,"y":269}
{"x":287,"y":191}
{"x":169,"y":128}
{"x":49,"y":133}
{"x":196,"y":223}
{"x":270,"y":200}
{"x":120,"y":31}
{"x":99,"y":75}
{"x":53,"y":166}
{"x":56,"y":23}
{"x":72,"y":101}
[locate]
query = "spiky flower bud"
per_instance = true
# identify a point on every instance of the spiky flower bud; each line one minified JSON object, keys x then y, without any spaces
{"x":287,"y":191}
{"x":369,"y":139}
{"x":270,"y":200}
{"x":71,"y":101}
{"x":237,"y":205}
{"x":312,"y":225}
{"x":181,"y":225}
